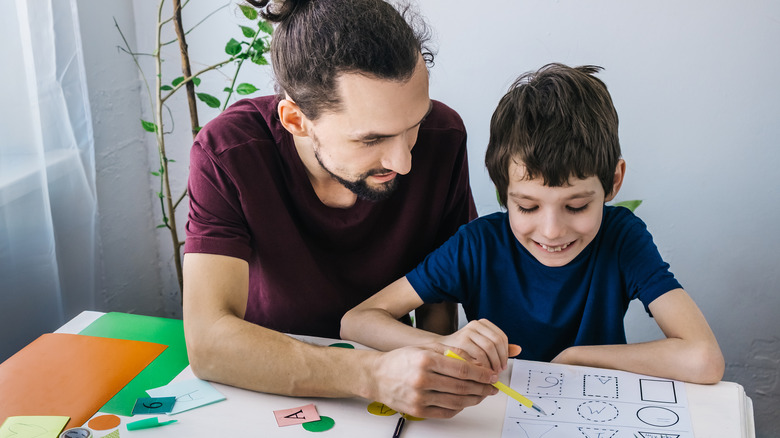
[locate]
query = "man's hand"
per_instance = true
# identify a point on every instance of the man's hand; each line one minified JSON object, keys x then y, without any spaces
{"x":422,"y":382}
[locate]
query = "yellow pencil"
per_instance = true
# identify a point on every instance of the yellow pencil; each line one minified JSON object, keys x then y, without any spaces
{"x":505,"y":389}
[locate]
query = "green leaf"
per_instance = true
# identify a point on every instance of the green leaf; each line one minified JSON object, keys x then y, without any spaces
{"x":155,"y":173}
{"x":259,"y":45}
{"x":197,"y":130}
{"x":159,"y":195}
{"x":249,"y":12}
{"x":170,"y":160}
{"x":177,"y":81}
{"x":265,"y":27}
{"x":248,"y":31}
{"x":631,"y":205}
{"x":196,"y":81}
{"x":244,"y":89}
{"x":233,"y":47}
{"x":148,"y":126}
{"x":209,"y":100}
{"x":166,"y":88}
{"x":227,"y":89}
{"x":259,"y":59}
{"x":162,"y":226}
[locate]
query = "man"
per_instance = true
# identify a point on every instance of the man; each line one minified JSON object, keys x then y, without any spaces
{"x":304,"y":204}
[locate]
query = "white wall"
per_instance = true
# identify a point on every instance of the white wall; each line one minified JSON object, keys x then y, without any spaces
{"x":694,"y":84}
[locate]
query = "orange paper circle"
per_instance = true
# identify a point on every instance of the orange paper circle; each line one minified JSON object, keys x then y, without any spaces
{"x":104,"y":422}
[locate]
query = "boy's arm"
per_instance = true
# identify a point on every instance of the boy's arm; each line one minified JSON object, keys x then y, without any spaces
{"x":689,"y":353}
{"x":374,"y":323}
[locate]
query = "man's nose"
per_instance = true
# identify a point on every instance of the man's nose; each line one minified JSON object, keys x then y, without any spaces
{"x":398,"y":155}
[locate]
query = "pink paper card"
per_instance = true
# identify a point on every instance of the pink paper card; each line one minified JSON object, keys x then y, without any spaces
{"x":300,"y":415}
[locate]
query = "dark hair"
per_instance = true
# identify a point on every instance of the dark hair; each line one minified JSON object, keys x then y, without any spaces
{"x":558,"y":122}
{"x":318,"y":40}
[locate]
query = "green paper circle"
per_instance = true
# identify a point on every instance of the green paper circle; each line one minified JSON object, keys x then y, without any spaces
{"x":325,"y":423}
{"x":342,"y":345}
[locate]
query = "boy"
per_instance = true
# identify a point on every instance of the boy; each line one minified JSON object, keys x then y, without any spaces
{"x":556,"y":271}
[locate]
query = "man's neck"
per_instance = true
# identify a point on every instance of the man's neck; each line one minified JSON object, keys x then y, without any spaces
{"x":330,"y":192}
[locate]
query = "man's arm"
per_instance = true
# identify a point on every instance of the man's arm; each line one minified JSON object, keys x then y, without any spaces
{"x":224,"y":348}
{"x":689,"y":353}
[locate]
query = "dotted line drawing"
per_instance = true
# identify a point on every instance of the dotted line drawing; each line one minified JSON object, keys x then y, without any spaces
{"x":535,"y":430}
{"x":592,"y":432}
{"x":544,"y":383}
{"x":600,"y":386}
{"x":598,"y":411}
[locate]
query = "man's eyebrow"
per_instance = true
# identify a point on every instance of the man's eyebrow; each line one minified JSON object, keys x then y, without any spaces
{"x":377,"y":135}
{"x":579,"y":195}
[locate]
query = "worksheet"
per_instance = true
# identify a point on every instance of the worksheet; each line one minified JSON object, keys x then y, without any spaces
{"x":594,"y":403}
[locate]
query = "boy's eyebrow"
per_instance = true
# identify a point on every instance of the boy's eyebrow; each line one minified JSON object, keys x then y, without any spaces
{"x":363,"y":136}
{"x":579,"y":195}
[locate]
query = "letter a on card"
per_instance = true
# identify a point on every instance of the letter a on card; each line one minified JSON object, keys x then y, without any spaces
{"x":299,"y":415}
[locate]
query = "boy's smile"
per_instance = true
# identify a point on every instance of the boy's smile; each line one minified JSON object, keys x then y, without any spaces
{"x":554,"y":223}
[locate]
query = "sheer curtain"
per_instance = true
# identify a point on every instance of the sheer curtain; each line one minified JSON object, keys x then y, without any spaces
{"x":48,"y":205}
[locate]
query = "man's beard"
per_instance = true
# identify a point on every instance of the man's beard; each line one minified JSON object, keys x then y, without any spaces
{"x":360,"y":186}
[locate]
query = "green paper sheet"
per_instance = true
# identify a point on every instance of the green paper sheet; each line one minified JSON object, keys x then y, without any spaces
{"x":161,"y":371}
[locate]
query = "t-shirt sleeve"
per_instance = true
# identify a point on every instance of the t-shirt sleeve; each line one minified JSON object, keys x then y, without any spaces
{"x":215,"y":224}
{"x":460,"y":208}
{"x":647,"y":275}
{"x":442,"y":275}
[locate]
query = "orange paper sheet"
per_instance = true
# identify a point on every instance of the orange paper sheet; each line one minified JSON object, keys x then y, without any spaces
{"x":70,"y":375}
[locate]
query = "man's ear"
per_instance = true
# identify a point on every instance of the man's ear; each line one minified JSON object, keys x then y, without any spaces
{"x":292,"y":118}
{"x":617,"y":181}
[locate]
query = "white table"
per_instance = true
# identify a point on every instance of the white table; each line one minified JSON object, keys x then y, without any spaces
{"x":719,"y":410}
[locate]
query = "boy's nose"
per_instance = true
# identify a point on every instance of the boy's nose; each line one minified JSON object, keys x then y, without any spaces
{"x":552,"y":227}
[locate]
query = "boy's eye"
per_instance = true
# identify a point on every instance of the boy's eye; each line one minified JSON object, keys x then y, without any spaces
{"x":372,"y":142}
{"x":577,"y":209}
{"x":526,"y":210}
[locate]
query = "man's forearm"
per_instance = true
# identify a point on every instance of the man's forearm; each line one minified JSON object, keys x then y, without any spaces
{"x":238,"y":353}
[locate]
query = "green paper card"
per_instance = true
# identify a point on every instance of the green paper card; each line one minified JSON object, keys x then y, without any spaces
{"x":161,"y":371}
{"x":33,"y":426}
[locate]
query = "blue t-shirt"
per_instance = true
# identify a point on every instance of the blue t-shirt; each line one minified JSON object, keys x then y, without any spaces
{"x":547,"y":309}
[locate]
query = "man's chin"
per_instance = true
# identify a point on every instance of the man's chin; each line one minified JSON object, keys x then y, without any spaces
{"x":380,"y":192}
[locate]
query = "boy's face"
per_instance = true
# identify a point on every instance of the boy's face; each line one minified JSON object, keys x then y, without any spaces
{"x":554,"y":223}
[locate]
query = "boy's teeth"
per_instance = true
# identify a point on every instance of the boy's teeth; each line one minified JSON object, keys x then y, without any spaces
{"x":554,"y":248}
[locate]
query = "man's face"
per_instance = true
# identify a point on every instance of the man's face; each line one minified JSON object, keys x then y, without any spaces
{"x":369,"y":141}
{"x":554,"y":223}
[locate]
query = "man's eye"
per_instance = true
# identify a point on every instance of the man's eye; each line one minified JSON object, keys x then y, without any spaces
{"x":372,"y":142}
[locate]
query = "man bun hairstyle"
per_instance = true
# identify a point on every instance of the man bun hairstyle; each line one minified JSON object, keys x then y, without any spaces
{"x":558,"y":122}
{"x":316,"y":41}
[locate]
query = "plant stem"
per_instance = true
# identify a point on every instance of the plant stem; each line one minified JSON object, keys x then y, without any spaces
{"x":171,"y":223}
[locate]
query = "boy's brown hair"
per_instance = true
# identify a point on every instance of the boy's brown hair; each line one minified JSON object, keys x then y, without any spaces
{"x":558,"y":122}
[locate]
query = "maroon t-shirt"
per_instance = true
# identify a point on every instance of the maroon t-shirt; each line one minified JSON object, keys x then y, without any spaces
{"x":250,"y":198}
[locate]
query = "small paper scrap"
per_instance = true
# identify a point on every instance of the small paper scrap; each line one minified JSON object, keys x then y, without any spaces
{"x":300,"y":415}
{"x":37,"y":426}
{"x":148,"y":423}
{"x":190,"y":394}
{"x":154,"y":405}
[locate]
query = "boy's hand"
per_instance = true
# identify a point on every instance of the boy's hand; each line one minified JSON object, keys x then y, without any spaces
{"x":484,"y":343}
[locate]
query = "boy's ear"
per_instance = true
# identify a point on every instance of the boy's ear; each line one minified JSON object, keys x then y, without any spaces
{"x":292,"y":118}
{"x":620,"y":172}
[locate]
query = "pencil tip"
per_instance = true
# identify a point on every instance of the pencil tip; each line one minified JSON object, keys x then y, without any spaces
{"x":540,"y":410}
